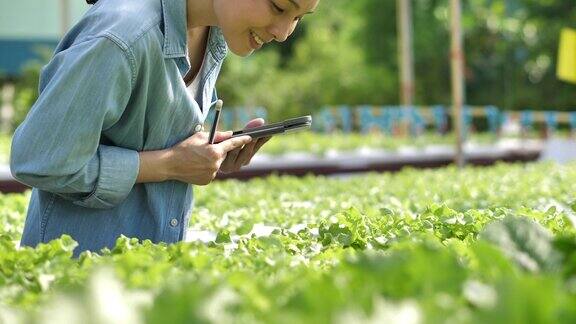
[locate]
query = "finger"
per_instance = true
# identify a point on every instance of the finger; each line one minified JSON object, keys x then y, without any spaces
{"x":232,"y":143}
{"x":222,"y":136}
{"x":230,"y":159}
{"x":245,"y":154}
{"x":255,"y":123}
{"x":261,"y":142}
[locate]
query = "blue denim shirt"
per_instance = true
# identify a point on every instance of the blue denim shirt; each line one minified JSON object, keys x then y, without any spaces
{"x":113,"y":88}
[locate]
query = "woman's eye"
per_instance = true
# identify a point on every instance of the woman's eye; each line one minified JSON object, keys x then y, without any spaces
{"x":278,"y":9}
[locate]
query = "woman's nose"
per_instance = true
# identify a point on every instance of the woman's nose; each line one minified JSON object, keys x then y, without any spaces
{"x":282,"y":29}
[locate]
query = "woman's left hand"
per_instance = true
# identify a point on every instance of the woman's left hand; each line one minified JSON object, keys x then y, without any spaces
{"x":241,"y":156}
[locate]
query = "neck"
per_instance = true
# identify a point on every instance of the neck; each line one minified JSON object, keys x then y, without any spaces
{"x":200,"y":13}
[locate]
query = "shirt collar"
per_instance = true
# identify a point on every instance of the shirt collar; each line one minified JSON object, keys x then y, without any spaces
{"x":175,"y":38}
{"x":175,"y":32}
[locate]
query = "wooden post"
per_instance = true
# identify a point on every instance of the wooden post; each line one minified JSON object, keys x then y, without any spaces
{"x":457,"y":64}
{"x":64,"y":17}
{"x":405,"y":58}
{"x":7,"y":112}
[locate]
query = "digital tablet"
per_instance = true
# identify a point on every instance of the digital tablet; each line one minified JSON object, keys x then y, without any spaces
{"x":287,"y":126}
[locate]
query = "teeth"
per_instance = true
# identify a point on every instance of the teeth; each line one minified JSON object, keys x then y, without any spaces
{"x":258,"y":39}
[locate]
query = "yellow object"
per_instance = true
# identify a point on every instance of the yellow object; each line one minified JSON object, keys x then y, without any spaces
{"x":567,"y":56}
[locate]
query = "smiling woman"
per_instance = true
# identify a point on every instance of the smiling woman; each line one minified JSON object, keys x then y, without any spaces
{"x":115,"y":140}
{"x":248,"y":24}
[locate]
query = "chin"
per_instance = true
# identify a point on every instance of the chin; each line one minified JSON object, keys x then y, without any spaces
{"x":240,"y":50}
{"x":238,"y":45}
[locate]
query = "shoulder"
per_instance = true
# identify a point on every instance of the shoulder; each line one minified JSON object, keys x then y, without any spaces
{"x":124,"y":21}
{"x":109,"y":29}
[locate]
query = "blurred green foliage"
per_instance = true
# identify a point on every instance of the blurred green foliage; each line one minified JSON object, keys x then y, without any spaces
{"x":346,"y":53}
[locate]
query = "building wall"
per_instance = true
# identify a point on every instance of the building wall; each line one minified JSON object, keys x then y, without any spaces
{"x":28,"y":26}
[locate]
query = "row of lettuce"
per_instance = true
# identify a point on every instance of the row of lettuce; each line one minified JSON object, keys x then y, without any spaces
{"x":478,"y":245}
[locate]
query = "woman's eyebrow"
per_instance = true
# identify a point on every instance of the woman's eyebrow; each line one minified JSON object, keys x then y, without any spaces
{"x":298,"y":6}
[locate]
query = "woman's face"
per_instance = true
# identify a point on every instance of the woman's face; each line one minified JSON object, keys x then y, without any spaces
{"x":248,"y":24}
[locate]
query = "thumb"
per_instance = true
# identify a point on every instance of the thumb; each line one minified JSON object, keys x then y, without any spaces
{"x":235,"y":142}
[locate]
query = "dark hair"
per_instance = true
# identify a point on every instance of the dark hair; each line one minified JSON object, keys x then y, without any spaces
{"x":91,"y":1}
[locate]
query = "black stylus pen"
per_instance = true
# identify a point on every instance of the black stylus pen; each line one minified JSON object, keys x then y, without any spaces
{"x":219,"y":105}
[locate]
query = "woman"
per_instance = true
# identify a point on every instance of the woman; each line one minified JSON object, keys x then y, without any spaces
{"x":114,"y":141}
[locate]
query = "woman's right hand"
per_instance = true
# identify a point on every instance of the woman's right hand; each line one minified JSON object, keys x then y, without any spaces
{"x":196,"y":162}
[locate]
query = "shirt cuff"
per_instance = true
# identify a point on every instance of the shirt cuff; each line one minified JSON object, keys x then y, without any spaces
{"x":118,"y":173}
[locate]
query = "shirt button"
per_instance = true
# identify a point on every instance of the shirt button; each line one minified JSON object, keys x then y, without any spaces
{"x":173,"y":222}
{"x":198,"y":128}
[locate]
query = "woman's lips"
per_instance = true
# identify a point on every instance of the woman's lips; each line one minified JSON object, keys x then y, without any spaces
{"x":253,"y":42}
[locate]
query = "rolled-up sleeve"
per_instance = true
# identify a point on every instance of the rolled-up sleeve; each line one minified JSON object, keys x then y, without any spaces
{"x":84,"y":90}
